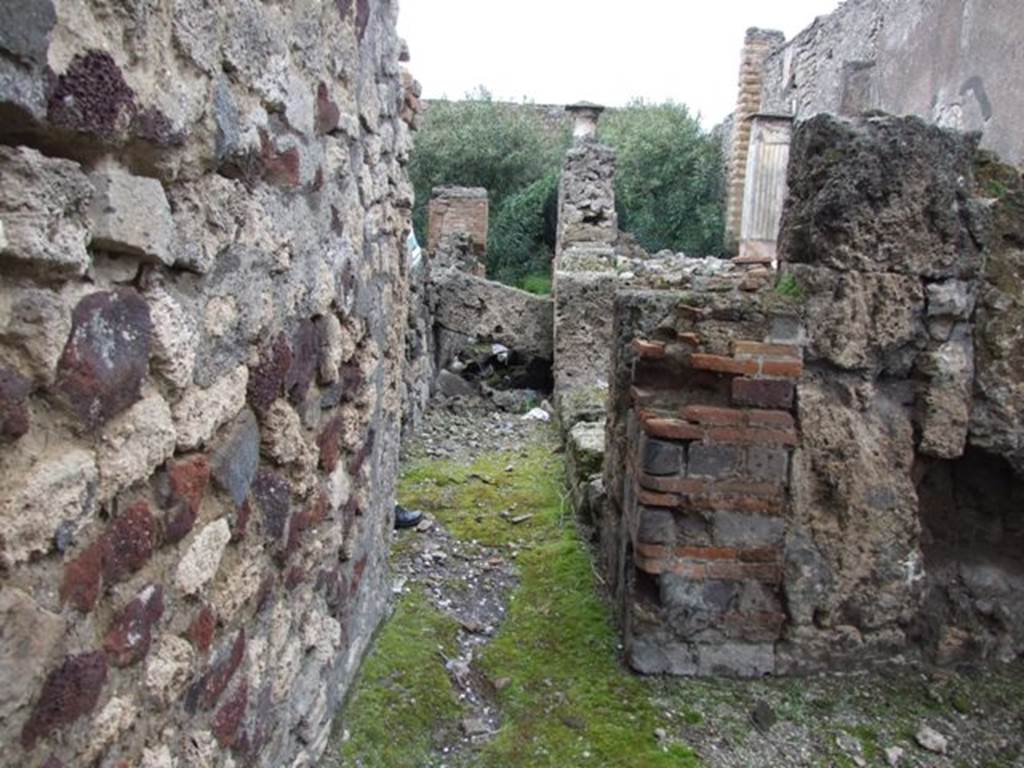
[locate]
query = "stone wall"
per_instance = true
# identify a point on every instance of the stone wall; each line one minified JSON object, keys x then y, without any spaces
{"x":757,"y":45}
{"x":202,"y":301}
{"x":951,"y":62}
{"x":703,"y":424}
{"x":815,"y":476}
{"x":458,"y":211}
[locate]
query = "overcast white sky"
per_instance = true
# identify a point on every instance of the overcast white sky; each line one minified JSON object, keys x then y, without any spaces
{"x":561,"y":51}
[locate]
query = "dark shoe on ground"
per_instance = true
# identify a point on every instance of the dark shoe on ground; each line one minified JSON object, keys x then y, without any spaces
{"x":406,"y":518}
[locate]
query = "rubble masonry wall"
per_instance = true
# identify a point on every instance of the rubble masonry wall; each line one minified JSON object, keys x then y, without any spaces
{"x":202,"y":308}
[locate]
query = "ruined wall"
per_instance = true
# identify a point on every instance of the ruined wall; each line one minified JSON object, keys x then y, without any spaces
{"x":702,"y":424}
{"x":892,"y":236}
{"x":458,"y":211}
{"x":757,"y":45}
{"x":828,"y":474}
{"x":952,"y":62}
{"x":202,"y":301}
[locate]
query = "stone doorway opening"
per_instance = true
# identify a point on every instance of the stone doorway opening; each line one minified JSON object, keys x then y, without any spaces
{"x":972,"y":538}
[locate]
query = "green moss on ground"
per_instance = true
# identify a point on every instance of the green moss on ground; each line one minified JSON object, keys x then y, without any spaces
{"x":565,"y":697}
{"x":487,"y":500}
{"x":403,"y":706}
{"x":569,"y":700}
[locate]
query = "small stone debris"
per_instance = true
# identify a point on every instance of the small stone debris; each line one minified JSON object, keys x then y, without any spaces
{"x":660,"y":734}
{"x":519,"y":519}
{"x":474,"y":726}
{"x":930,"y":739}
{"x":537,"y":414}
{"x":763,"y":716}
{"x":893,"y":756}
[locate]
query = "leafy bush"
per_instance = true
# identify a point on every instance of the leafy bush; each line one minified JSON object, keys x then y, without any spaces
{"x":522,"y":232}
{"x":670,"y":183}
{"x":669,"y":186}
{"x":538,"y":283}
{"x":481,"y":143}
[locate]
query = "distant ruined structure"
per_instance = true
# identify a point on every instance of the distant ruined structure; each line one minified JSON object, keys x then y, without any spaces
{"x":213,"y":334}
{"x":950,"y":62}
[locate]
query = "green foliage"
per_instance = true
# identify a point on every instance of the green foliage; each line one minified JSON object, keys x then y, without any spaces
{"x":404,"y":703}
{"x":670,"y":181}
{"x":503,"y":148}
{"x":569,"y":701}
{"x":475,"y":501}
{"x":789,"y":287}
{"x":521,"y":232}
{"x":538,"y":284}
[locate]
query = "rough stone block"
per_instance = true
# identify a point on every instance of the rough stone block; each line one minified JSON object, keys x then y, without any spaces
{"x":59,"y":489}
{"x":487,"y":310}
{"x":134,"y":443}
{"x":14,"y":392}
{"x":656,"y":526}
{"x":101,"y":370}
{"x":43,"y":206}
{"x":38,"y":327}
{"x":201,"y":631}
{"x":736,"y":660}
{"x":168,"y":668}
{"x":131,"y":631}
{"x":744,"y":530}
{"x":131,"y":215}
{"x":763,"y":393}
{"x":82,"y":578}
{"x":186,"y":482}
{"x":714,"y":460}
{"x":586,"y":444}
{"x":174,"y":339}
{"x":235,"y":460}
{"x":205,"y":692}
{"x":228,"y":720}
{"x":944,"y":404}
{"x":201,"y":412}
{"x":853,"y":174}
{"x":272,"y":497}
{"x":29,"y":636}
{"x":951,"y":298}
{"x":266,"y":382}
{"x":202,"y":559}
{"x":129,"y":542}
{"x":71,"y":691}
{"x":663,"y":458}
{"x":658,"y":656}
{"x":26,"y":31}
{"x":767,"y":464}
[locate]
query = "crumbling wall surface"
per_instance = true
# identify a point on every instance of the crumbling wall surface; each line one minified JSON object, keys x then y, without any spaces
{"x":202,"y":305}
{"x":458,"y":211}
{"x":827,"y":474}
{"x":490,"y":311}
{"x":890,"y":242}
{"x":700,"y":436}
{"x":947,"y":61}
{"x":586,"y":199}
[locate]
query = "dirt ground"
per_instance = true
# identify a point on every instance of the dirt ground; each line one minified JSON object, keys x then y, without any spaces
{"x":501,"y":650}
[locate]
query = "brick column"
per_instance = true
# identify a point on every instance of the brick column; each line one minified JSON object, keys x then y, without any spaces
{"x":705,"y":510}
{"x":461,"y":213}
{"x":757,"y":45}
